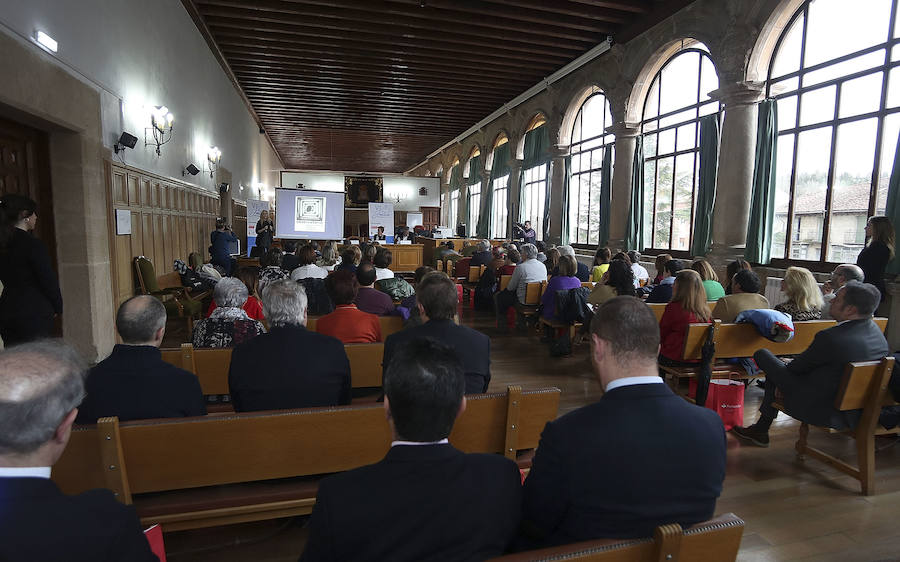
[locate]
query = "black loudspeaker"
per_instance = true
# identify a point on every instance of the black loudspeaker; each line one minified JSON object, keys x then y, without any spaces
{"x":127,"y":140}
{"x":192,"y":170}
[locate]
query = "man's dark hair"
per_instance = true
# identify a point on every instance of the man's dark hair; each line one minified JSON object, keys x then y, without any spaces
{"x":383,"y":258}
{"x":438,"y":296}
{"x":630,"y":328}
{"x":139,"y":318}
{"x":306,"y":255}
{"x":540,"y":245}
{"x":365,"y":274}
{"x":865,"y":297}
{"x":424,"y":384}
{"x":450,"y":245}
{"x":634,"y":256}
{"x":290,"y":246}
{"x":674,"y":266}
{"x":527,"y":222}
{"x":748,"y":280}
{"x":342,"y":287}
{"x":422,"y":271}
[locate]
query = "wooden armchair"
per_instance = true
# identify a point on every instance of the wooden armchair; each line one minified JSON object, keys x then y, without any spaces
{"x":178,"y":300}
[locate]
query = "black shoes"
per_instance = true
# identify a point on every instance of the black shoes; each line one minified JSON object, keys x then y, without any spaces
{"x":753,"y":434}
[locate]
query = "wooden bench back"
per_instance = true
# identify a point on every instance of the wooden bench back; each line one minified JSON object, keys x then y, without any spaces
{"x":475,"y":273}
{"x":171,"y":454}
{"x":504,"y":281}
{"x":658,"y":309}
{"x":365,"y":363}
{"x":716,"y":540}
{"x":864,"y":383}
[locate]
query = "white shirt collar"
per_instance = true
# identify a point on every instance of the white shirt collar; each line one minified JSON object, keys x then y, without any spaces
{"x":418,"y":443}
{"x":24,"y":472}
{"x":630,"y":381}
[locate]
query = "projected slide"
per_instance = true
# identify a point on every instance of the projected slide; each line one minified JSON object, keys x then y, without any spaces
{"x":302,"y":213}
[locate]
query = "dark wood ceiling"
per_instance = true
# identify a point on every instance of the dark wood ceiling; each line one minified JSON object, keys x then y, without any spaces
{"x":377,"y":85}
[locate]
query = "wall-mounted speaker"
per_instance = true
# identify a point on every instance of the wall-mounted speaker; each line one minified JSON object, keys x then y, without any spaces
{"x":191,"y":169}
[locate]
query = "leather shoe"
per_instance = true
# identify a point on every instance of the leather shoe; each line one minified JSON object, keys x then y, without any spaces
{"x":753,"y":434}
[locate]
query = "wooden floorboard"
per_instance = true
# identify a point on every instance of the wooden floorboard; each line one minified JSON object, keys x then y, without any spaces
{"x":794,"y":510}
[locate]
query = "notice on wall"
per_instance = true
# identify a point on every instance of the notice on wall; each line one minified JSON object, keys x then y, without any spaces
{"x":381,"y":215}
{"x":123,"y":221}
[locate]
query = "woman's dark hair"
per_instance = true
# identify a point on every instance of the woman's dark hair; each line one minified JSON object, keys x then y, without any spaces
{"x":306,"y":255}
{"x":250,"y":277}
{"x":622,"y":256}
{"x":13,"y":208}
{"x":272,"y":257}
{"x":342,"y":287}
{"x":733,"y":268}
{"x":621,"y":278}
{"x":601,"y":256}
{"x":383,"y":258}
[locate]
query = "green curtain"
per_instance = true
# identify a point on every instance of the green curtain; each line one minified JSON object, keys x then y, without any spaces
{"x":455,"y":180}
{"x":605,"y":197}
{"x":762,"y":199}
{"x":474,"y":177}
{"x":706,"y":187}
{"x":567,"y":181}
{"x":892,"y":208}
{"x":634,"y":229}
{"x":499,"y":169}
{"x":537,"y":147}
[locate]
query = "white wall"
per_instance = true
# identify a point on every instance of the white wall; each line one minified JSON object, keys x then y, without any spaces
{"x":146,"y":53}
{"x":407,"y":187}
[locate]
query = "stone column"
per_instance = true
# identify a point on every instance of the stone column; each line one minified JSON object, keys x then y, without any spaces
{"x":485,"y":186}
{"x":556,"y":184}
{"x":620,"y":194}
{"x":512,"y":198}
{"x":734,"y":181}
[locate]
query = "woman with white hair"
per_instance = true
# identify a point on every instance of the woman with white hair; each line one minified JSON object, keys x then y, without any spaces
{"x":228,"y":325}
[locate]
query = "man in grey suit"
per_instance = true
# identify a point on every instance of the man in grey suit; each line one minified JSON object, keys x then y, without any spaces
{"x":810,"y":382}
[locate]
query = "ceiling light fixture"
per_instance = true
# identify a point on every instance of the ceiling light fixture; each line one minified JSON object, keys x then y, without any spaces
{"x":45,"y":41}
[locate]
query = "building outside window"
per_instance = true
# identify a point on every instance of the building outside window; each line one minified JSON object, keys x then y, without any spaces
{"x":534,"y":192}
{"x":589,"y":138}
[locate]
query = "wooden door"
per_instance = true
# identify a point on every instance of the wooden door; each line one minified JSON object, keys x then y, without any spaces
{"x":431,"y":216}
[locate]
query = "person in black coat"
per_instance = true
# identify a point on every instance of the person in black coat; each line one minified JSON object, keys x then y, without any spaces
{"x":662,"y":293}
{"x":639,"y":458}
{"x":265,"y":231}
{"x":290,"y":261}
{"x":874,"y":258}
{"x":134,"y":383}
{"x":290,"y":367}
{"x":425,"y":500}
{"x":437,"y":298}
{"x":41,"y":384}
{"x":220,"y":241}
{"x":482,"y":255}
{"x":811,"y":381}
{"x":31,"y":296}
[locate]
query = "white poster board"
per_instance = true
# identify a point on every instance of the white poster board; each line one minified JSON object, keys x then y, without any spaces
{"x":381,"y":214}
{"x":413,"y":219}
{"x":255,"y":207}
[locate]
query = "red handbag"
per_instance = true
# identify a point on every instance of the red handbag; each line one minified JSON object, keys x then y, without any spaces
{"x":726,"y":397}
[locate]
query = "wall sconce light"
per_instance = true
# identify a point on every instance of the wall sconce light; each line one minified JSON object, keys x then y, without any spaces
{"x":126,"y":140}
{"x":45,"y":41}
{"x":161,"y":127}
{"x":223,"y":188}
{"x":213,"y":157}
{"x":190,"y":169}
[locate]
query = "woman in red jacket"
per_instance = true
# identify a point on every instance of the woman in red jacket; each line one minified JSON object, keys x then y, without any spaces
{"x":688,"y":306}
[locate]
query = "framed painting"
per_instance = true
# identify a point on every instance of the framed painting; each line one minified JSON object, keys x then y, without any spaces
{"x":359,"y":191}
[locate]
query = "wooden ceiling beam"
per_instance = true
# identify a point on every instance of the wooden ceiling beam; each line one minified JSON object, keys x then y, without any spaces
{"x":300,"y":117}
{"x":535,"y":16}
{"x":314,"y":102}
{"x":636,"y":6}
{"x":553,"y":9}
{"x":299,"y":93}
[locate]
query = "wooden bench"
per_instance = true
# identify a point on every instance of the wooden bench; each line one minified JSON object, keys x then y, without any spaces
{"x":716,"y":540}
{"x":214,"y":470}
{"x":533,"y":294}
{"x":863,"y":387}
{"x":504,"y":282}
{"x":658,"y":309}
{"x":211,"y":365}
{"x":389,"y":324}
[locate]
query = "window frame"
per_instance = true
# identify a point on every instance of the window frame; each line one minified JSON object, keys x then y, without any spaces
{"x":500,"y":186}
{"x":538,"y":223}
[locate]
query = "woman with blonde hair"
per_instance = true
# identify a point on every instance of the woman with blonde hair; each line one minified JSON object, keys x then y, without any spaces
{"x":688,"y":306}
{"x":878,"y":252}
{"x":714,"y":289}
{"x":805,"y":300}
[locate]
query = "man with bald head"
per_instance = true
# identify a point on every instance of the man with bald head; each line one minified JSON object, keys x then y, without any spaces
{"x":134,"y":383}
{"x":839,"y":277}
{"x":41,"y":384}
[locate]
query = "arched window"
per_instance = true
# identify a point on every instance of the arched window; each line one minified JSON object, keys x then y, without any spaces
{"x":835,"y":75}
{"x":534,"y":178}
{"x":677,"y":99}
{"x":474,"y":189}
{"x":500,"y":187}
{"x":589,"y":139}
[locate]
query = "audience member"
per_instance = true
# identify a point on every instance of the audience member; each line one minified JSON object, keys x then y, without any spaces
{"x":350,"y":259}
{"x":618,"y":281}
{"x":368,"y":252}
{"x":290,"y":367}
{"x":308,"y":268}
{"x":330,"y":257}
{"x":368,"y":298}
{"x":446,"y":251}
{"x":688,"y":306}
{"x":513,"y":258}
{"x":249,"y":276}
{"x":498,"y":259}
{"x":271,"y":268}
{"x":601,"y":264}
{"x":220,"y":241}
{"x":482,"y":254}
{"x":839,"y":277}
{"x":879,"y":250}
{"x":584,"y":272}
{"x":410,"y":303}
{"x":552,"y":261}
{"x":804,"y":300}
{"x":564,"y":281}
{"x":663,"y":290}
{"x":745,"y":296}
{"x":382,"y":262}
{"x":347,"y":323}
{"x":229,"y":325}
{"x":468,"y":249}
{"x":437,"y":301}
{"x":541,"y":248}
{"x":529,"y":271}
{"x":432,"y":501}
{"x":641,"y":276}
{"x":639,"y":458}
{"x":732,"y":270}
{"x":134,"y":383}
{"x":41,"y":384}
{"x":661,"y":261}
{"x":714,"y":289}
{"x":810,"y":382}
{"x":289,"y":261}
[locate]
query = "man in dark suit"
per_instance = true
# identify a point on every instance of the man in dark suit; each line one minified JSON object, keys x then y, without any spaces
{"x":639,"y":458}
{"x":134,"y":383}
{"x":41,"y":384}
{"x":290,"y":367}
{"x":810,"y":382}
{"x":425,"y":500}
{"x":482,"y":254}
{"x":437,"y":298}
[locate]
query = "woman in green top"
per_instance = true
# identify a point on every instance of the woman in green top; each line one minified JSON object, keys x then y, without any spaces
{"x":714,"y":289}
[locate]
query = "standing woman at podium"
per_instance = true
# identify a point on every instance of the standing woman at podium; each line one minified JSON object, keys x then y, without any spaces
{"x":265,"y":231}
{"x":31,"y":296}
